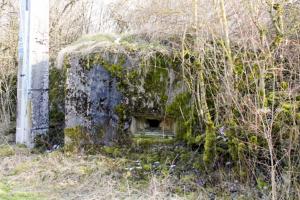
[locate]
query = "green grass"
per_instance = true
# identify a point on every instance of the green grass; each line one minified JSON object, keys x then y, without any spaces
{"x":6,"y":193}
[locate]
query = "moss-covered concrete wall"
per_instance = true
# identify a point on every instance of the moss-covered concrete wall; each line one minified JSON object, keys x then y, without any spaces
{"x":107,"y":83}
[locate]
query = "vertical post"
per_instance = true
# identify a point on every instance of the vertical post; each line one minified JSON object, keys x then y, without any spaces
{"x":33,"y":73}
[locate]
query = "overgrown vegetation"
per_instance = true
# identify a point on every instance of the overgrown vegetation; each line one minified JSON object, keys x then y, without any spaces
{"x":238,"y":118}
{"x":119,"y":173}
{"x":8,"y":60}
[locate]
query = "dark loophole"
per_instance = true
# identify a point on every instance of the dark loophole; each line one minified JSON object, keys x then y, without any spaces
{"x":153,"y":123}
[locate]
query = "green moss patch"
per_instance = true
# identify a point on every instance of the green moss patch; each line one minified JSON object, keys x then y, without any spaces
{"x":75,"y":139}
{"x":148,"y":141}
{"x":57,"y":107}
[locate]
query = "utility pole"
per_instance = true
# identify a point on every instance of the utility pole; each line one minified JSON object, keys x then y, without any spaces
{"x":33,"y":72}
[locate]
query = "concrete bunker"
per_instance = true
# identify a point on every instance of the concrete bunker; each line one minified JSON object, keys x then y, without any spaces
{"x":118,"y":90}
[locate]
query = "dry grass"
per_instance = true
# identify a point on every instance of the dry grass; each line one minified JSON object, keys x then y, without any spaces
{"x":55,"y":176}
{"x":25,"y":175}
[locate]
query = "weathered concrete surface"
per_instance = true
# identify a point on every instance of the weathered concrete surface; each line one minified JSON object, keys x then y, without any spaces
{"x":32,"y":109}
{"x":114,"y":90}
{"x":91,"y":97}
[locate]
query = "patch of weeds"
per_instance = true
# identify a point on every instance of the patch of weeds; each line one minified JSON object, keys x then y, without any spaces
{"x":112,"y":151}
{"x":86,"y":170}
{"x":3,"y":189}
{"x":6,"y":151}
{"x":22,"y":146}
{"x":6,"y":193}
{"x":22,"y":167}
